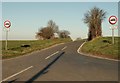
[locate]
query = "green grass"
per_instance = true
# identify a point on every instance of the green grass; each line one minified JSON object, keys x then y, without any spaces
{"x":100,"y":48}
{"x":15,"y":49}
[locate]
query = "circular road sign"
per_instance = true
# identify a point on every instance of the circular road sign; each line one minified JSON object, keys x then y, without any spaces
{"x":7,"y":24}
{"x":112,"y":20}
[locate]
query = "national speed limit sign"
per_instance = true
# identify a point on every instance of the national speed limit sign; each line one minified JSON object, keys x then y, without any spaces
{"x":113,"y":20}
{"x":7,"y":24}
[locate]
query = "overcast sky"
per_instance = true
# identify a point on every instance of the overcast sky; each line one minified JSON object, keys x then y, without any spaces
{"x":28,"y":17}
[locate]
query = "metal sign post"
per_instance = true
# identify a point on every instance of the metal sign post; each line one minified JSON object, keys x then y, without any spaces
{"x":112,"y":36}
{"x":7,"y":24}
{"x":113,"y":21}
{"x":6,"y":39}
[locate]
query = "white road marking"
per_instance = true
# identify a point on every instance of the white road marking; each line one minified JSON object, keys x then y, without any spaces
{"x":93,"y":55}
{"x":16,"y":74}
{"x":64,"y":48}
{"x":52,"y":55}
{"x":80,"y":47}
{"x":26,"y":55}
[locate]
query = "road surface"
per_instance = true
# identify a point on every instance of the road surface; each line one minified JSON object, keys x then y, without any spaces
{"x":59,"y":63}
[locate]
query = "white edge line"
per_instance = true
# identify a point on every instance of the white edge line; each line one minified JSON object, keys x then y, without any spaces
{"x":28,"y":54}
{"x":80,"y":47}
{"x":93,"y":55}
{"x":52,"y":55}
{"x":64,"y":48}
{"x":16,"y":74}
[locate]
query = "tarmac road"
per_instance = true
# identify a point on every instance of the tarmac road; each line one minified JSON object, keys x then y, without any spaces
{"x":59,"y":63}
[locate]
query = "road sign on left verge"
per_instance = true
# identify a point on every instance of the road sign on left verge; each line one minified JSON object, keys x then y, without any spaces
{"x":7,"y":24}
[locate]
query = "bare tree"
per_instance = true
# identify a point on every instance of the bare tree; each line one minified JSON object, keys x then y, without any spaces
{"x":45,"y":33}
{"x":64,"y":34}
{"x":53,"y":25}
{"x":93,"y":19}
{"x":49,"y":31}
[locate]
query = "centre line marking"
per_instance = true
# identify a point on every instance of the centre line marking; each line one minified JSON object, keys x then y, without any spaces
{"x":16,"y":74}
{"x":64,"y":48}
{"x":52,"y":55}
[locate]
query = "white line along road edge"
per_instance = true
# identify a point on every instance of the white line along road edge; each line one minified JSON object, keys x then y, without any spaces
{"x":34,"y":52}
{"x":80,"y":48}
{"x":16,"y":74}
{"x":93,"y":55}
{"x":52,"y":55}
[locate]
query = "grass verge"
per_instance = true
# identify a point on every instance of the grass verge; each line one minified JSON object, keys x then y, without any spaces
{"x":103,"y":47}
{"x":15,"y":49}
